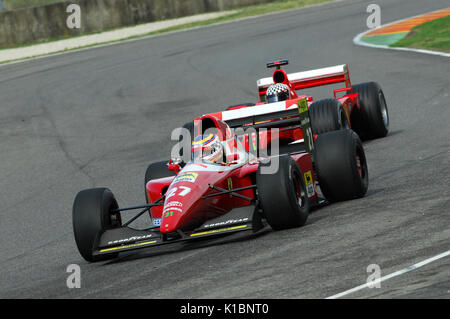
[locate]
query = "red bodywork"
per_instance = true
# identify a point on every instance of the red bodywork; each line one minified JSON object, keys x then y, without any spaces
{"x":185,"y":209}
{"x":349,"y":101}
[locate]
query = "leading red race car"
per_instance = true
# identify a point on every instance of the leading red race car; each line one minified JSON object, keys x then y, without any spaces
{"x":226,"y":186}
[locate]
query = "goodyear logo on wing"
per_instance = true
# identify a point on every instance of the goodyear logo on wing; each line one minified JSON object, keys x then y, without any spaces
{"x":186,"y":177}
{"x":227,"y":222}
{"x":134,"y":238}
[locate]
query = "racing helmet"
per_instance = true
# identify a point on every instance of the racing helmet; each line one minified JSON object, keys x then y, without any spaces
{"x":277,"y":92}
{"x":207,"y":148}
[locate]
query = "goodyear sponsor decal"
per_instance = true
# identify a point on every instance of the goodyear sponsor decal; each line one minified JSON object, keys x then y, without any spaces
{"x":186,"y":177}
{"x":228,"y":222}
{"x":127,"y":246}
{"x":215,"y":231}
{"x":125,"y":240}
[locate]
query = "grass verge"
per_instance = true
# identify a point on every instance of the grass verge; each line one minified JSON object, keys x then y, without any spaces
{"x":432,"y":35}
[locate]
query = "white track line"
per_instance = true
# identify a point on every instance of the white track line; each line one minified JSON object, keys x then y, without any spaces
{"x":395,"y":274}
{"x":357,"y":39}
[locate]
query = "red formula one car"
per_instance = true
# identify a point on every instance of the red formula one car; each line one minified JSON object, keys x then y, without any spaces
{"x":361,"y":107}
{"x":224,"y":186}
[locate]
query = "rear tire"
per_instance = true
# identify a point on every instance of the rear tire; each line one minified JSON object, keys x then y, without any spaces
{"x":372,"y":120}
{"x":283,"y":195}
{"x":341,"y":165}
{"x":327,"y":115}
{"x":91,"y":215}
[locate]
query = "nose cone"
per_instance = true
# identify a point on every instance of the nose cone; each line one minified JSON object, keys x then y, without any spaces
{"x":172,"y":214}
{"x":180,"y":198}
{"x":184,"y":207}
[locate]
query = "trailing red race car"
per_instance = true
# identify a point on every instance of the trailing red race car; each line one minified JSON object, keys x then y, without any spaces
{"x":361,"y":107}
{"x":226,"y":186}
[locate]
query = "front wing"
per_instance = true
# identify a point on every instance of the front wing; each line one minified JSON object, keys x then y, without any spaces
{"x":126,"y":239}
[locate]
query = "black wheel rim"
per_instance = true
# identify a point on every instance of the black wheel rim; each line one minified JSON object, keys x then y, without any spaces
{"x":383,"y":109}
{"x":300,"y":194}
{"x":116,"y":220}
{"x":361,"y":163}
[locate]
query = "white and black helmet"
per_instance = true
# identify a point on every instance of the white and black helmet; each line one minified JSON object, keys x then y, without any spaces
{"x":277,"y":92}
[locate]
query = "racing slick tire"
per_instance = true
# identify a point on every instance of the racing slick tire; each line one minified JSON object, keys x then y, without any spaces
{"x":327,"y":115}
{"x":282,"y":195}
{"x":157,"y":170}
{"x":372,"y":119}
{"x":341,"y":165}
{"x":92,"y":213}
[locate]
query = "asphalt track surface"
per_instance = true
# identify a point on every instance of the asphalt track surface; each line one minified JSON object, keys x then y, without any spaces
{"x":99,"y":117}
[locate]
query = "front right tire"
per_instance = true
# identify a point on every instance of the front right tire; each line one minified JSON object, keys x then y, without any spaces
{"x":341,"y":165}
{"x":92,"y":213}
{"x":327,"y":115}
{"x":282,"y":195}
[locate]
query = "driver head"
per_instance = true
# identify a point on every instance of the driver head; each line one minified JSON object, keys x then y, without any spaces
{"x":207,"y":148}
{"x":277,"y":92}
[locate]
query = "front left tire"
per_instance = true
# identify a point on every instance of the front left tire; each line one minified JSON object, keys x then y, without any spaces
{"x":372,"y":119}
{"x":327,"y":115}
{"x":341,"y":165}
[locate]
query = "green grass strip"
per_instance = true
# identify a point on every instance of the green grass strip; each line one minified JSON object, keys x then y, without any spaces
{"x":432,"y":35}
{"x":384,"y":39}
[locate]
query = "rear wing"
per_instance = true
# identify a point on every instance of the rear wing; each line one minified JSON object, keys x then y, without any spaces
{"x":275,"y":115}
{"x":256,"y":114}
{"x":308,"y":79}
